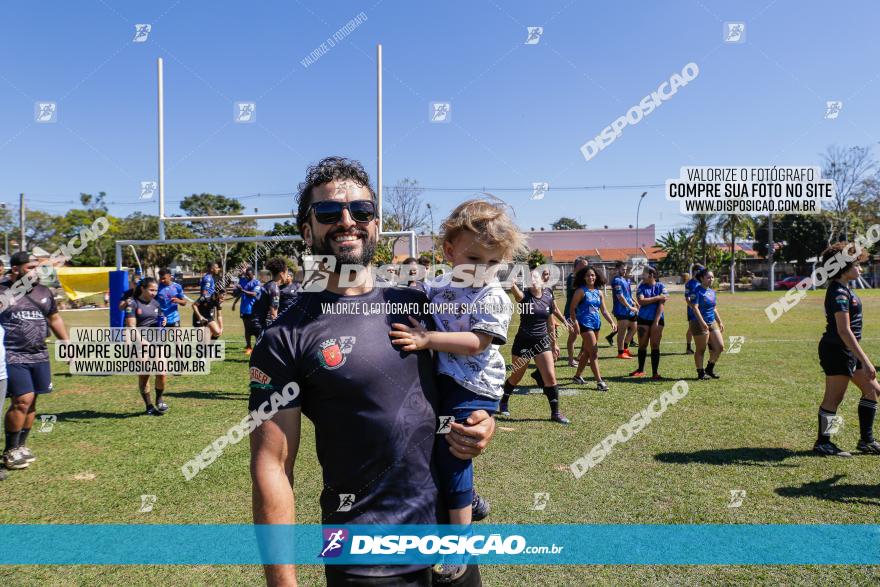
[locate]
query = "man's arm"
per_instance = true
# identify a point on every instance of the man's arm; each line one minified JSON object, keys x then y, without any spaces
{"x":274,"y":446}
{"x":57,"y":326}
{"x":470,"y":439}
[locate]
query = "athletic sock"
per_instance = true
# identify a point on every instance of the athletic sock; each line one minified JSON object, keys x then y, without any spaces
{"x":655,"y":361}
{"x":826,"y":418}
{"x":508,"y":391}
{"x":867,"y":411}
{"x":22,"y":437}
{"x":552,"y":393}
{"x":689,"y":347}
{"x":643,"y":354}
{"x":710,"y":367}
{"x":145,"y":395}
{"x":12,"y":440}
{"x":159,"y":393}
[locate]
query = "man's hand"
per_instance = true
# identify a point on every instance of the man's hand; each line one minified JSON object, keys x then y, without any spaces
{"x":409,"y":338}
{"x":470,"y":439}
{"x":556,"y":352}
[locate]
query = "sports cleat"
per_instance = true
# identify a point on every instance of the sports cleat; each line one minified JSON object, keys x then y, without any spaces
{"x":559,"y":418}
{"x":579,"y":380}
{"x":610,"y":338}
{"x":689,"y":351}
{"x":13,"y":459}
{"x":504,"y":411}
{"x":480,"y":508}
{"x":602,"y":386}
{"x":446,"y":573}
{"x":152,"y":411}
{"x":162,"y":407}
{"x":713,"y":375}
{"x":703,"y":376}
{"x":871,"y":447}
{"x":829,"y":449}
{"x":637,"y":373}
{"x":656,"y":377}
{"x":625,"y":355}
{"x":633,"y":343}
{"x":27,"y":454}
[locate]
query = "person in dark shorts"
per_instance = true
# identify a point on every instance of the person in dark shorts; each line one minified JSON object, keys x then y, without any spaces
{"x":29,"y":313}
{"x":144,"y":311}
{"x":706,"y":326}
{"x":579,"y":263}
{"x":267,"y":305}
{"x":624,"y":309}
{"x":841,"y":355}
{"x":208,"y":312}
{"x":652,"y":296}
{"x":689,"y":287}
{"x":249,"y":293}
{"x":536,"y":339}
{"x":373,"y":406}
{"x":586,"y":305}
{"x":170,"y":296}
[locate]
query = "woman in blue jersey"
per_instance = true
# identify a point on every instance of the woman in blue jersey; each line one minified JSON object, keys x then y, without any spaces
{"x":841,"y":354}
{"x":651,"y":296}
{"x":624,"y":309}
{"x":587,"y":303}
{"x":706,"y":326}
{"x":689,"y":286}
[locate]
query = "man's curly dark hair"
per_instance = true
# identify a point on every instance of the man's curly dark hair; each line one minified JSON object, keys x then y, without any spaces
{"x":324,"y":171}
{"x":276,"y":265}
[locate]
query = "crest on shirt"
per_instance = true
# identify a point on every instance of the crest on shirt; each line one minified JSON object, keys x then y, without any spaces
{"x":333,"y":353}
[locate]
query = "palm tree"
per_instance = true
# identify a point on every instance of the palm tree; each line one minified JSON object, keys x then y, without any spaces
{"x":679,"y":248}
{"x":734,"y":226}
{"x":701,"y":228}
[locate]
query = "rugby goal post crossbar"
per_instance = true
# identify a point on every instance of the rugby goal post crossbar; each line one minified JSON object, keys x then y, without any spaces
{"x":160,"y":112}
{"x":120,"y":244}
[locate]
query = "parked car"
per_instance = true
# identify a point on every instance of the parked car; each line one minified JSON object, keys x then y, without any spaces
{"x":789,"y":282}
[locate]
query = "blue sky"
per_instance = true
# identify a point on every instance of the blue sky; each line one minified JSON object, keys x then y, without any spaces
{"x":519,"y":112}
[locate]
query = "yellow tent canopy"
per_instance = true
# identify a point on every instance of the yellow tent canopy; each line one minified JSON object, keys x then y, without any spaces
{"x":80,"y":282}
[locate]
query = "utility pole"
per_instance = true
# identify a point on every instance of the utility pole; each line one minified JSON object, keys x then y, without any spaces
{"x":770,"y":251}
{"x":21,"y":215}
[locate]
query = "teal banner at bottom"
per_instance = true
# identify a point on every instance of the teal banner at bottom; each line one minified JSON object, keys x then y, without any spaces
{"x":733,"y":544}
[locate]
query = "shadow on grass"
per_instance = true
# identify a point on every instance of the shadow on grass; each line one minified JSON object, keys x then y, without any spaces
{"x":750,"y":456}
{"x":193,"y":394}
{"x":80,"y":415}
{"x":831,"y":491}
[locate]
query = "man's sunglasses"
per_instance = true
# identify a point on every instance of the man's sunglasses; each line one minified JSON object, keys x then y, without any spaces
{"x":330,"y":211}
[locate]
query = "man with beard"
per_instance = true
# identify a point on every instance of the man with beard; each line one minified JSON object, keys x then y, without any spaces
{"x":28,"y":313}
{"x":373,"y":406}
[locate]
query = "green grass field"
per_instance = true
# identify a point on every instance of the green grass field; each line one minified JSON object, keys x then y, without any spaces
{"x":751,"y":430}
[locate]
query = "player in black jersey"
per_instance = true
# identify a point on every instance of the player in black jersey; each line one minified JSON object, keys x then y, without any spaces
{"x":536,"y":339}
{"x":208,"y":311}
{"x":266,"y":306}
{"x":144,"y":311}
{"x":28,"y":313}
{"x":840,"y":354}
{"x":373,"y":406}
{"x":289,"y":290}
